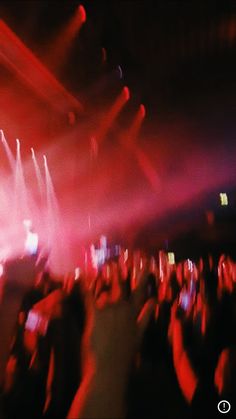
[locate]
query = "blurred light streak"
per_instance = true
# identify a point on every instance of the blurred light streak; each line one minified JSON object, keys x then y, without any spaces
{"x":60,"y":47}
{"x":89,"y":222}
{"x":50,"y":191}
{"x":21,"y":61}
{"x":147,"y":168}
{"x":55,"y":232}
{"x":129,"y":137}
{"x":126,"y":92}
{"x":128,"y":141}
{"x":110,"y":117}
{"x":93,"y":148}
{"x":21,"y":205}
{"x":8,"y":151}
{"x":38,"y":173}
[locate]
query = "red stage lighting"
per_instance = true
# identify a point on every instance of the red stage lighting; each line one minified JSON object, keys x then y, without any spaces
{"x":109,"y":118}
{"x":126,"y":92}
{"x":82,"y":13}
{"x":142,"y":110}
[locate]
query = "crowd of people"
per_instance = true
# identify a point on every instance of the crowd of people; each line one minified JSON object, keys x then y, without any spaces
{"x":133,"y":337}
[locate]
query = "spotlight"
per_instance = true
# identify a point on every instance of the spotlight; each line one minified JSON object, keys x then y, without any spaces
{"x":45,"y":160}
{"x":142,"y":110}
{"x":126,"y":92}
{"x":32,"y":151}
{"x":82,"y":13}
{"x":2,"y":135}
{"x":18,"y":144}
{"x":1,"y":269}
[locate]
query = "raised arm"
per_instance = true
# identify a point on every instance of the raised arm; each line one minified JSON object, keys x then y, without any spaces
{"x":186,"y":376}
{"x":111,"y":340}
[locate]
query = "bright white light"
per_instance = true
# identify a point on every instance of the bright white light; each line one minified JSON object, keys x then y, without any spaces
{"x":2,"y":135}
{"x":190,"y":265}
{"x":45,"y":160}
{"x":223,"y":198}
{"x":1,"y":269}
{"x":77,"y":273}
{"x":171,"y":258}
{"x":32,"y":151}
{"x":18,"y":144}
{"x":31,"y":243}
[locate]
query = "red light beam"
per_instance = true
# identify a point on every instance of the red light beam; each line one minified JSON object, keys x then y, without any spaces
{"x":8,"y":151}
{"x":110,"y":117}
{"x":61,"y":46}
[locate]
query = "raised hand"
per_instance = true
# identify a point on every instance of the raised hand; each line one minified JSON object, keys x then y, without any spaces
{"x":114,"y":331}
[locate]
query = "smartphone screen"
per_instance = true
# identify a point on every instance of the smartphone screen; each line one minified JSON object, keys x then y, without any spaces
{"x":32,"y":321}
{"x":184,"y":300}
{"x":36,"y":323}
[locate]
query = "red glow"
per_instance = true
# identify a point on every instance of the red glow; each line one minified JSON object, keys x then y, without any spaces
{"x":109,"y":118}
{"x":59,"y":49}
{"x":143,"y":160}
{"x":104,"y":55}
{"x":23,"y":62}
{"x":148,"y":169}
{"x":115,"y":187}
{"x":126,"y":92}
{"x":82,"y":13}
{"x":74,"y":25}
{"x":131,"y":134}
{"x":8,"y":151}
{"x":227,"y":30}
{"x":223,"y":364}
{"x":232,"y":30}
{"x":142,"y":110}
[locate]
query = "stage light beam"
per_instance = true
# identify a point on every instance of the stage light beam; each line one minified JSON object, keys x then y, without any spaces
{"x":81,"y":13}
{"x":38,"y":173}
{"x":3,"y":139}
{"x":45,"y":160}
{"x":18,"y":144}
{"x":21,"y":193}
{"x":142,"y":110}
{"x":144,"y":162}
{"x":59,"y":49}
{"x":113,"y":112}
{"x":131,"y":134}
{"x":8,"y":151}
{"x":126,"y":92}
